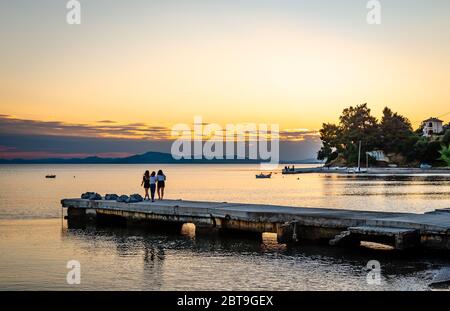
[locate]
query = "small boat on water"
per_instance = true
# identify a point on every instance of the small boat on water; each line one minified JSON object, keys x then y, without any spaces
{"x":50,"y":176}
{"x":264,"y":175}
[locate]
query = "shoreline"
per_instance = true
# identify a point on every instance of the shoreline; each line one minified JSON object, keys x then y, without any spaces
{"x":369,"y":171}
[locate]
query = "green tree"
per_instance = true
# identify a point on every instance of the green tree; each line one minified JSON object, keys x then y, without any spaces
{"x":445,"y":154}
{"x":394,"y":134}
{"x":446,"y":126}
{"x":396,"y":131}
{"x":426,"y":151}
{"x":358,"y":125}
{"x":409,"y":147}
{"x":446,"y":137}
{"x":330,"y":134}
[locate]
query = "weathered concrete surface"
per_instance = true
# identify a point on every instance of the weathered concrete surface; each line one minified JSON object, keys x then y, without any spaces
{"x":430,"y":230}
{"x":399,"y":238}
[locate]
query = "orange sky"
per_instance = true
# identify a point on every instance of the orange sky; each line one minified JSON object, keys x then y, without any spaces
{"x":292,"y":65}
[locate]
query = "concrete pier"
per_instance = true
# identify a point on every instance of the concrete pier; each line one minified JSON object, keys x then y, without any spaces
{"x":291,"y":224}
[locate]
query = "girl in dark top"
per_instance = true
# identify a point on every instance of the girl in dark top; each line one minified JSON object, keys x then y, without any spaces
{"x":146,"y":183}
{"x":161,"y":184}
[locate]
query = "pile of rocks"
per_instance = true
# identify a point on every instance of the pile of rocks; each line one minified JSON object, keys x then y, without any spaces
{"x":91,"y":196}
{"x":133,"y":198}
{"x":111,"y":197}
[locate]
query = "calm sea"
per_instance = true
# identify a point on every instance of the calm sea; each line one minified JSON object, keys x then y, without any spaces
{"x":35,"y":244}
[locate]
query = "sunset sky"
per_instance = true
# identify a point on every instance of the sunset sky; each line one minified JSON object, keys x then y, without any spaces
{"x":135,"y":68}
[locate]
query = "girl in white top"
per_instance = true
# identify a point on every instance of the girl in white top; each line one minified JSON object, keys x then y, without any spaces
{"x":161,"y":184}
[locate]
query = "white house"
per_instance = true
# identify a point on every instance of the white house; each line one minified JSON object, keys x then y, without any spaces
{"x":432,"y":126}
{"x":378,"y":155}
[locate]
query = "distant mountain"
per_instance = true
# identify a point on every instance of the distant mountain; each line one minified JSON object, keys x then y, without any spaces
{"x":148,"y":157}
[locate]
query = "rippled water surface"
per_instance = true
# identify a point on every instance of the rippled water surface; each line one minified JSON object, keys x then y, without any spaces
{"x":35,"y":243}
{"x":25,"y":193}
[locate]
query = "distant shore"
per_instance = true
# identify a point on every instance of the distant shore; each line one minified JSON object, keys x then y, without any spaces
{"x":370,"y":170}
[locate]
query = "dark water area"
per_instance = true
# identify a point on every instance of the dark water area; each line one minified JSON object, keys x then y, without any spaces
{"x":35,"y":253}
{"x":36,"y":243}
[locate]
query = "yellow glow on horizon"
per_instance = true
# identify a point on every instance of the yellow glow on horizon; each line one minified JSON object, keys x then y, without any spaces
{"x":273,"y":72}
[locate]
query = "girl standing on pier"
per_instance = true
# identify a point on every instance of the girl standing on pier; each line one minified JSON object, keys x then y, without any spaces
{"x":146,"y":183}
{"x":153,"y":185}
{"x":161,"y":184}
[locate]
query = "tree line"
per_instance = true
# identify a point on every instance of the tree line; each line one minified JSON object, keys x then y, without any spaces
{"x":393,"y":134}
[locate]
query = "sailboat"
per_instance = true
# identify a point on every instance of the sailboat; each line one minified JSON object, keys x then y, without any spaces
{"x":357,"y":170}
{"x":264,"y":175}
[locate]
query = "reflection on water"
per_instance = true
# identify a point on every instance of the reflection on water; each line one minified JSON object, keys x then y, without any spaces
{"x":223,"y":183}
{"x":35,"y":252}
{"x":35,"y":247}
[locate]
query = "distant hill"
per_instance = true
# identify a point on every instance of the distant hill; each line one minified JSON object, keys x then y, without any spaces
{"x":148,"y":157}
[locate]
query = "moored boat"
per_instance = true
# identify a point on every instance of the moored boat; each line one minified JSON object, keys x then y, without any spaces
{"x":264,"y":175}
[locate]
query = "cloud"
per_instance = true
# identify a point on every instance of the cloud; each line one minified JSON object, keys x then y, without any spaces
{"x":14,"y":146}
{"x":299,"y":134}
{"x":21,"y":138}
{"x":111,"y":129}
{"x":44,"y":146}
{"x":50,"y":155}
{"x":106,"y":121}
{"x":106,"y":128}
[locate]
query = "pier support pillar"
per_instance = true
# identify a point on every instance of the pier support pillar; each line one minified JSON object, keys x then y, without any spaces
{"x":110,"y":220}
{"x":80,"y":218}
{"x":252,"y":235}
{"x":407,"y":241}
{"x":73,"y":212}
{"x":205,"y":229}
{"x":287,"y":233}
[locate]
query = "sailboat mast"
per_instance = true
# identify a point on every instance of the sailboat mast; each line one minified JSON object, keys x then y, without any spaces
{"x":359,"y":157}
